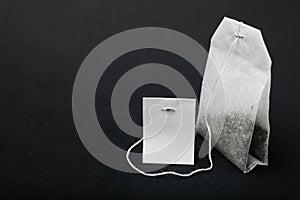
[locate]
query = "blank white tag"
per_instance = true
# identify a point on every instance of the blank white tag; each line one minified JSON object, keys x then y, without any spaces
{"x":171,"y":122}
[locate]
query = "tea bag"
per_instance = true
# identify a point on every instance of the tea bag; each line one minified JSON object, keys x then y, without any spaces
{"x":234,"y":99}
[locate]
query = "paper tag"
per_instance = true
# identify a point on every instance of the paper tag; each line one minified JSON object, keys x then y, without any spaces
{"x":169,"y":130}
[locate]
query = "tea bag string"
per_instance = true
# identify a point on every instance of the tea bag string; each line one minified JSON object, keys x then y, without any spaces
{"x":238,"y":36}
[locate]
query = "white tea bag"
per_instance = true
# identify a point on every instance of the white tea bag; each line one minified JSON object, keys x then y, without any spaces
{"x":234,"y":97}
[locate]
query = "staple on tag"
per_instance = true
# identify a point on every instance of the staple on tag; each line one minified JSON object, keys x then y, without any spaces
{"x":168,"y":109}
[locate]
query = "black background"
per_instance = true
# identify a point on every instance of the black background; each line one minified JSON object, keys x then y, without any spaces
{"x":42,"y":46}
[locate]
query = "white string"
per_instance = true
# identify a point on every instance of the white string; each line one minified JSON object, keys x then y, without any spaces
{"x":238,"y":36}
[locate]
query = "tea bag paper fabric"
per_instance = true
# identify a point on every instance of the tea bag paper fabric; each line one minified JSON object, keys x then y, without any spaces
{"x":169,"y":130}
{"x":235,"y":97}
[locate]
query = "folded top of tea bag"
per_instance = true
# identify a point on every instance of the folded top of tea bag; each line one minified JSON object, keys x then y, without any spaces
{"x":250,"y":37}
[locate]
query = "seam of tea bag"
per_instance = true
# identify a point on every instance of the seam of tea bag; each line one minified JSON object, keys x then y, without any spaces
{"x":255,"y":161}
